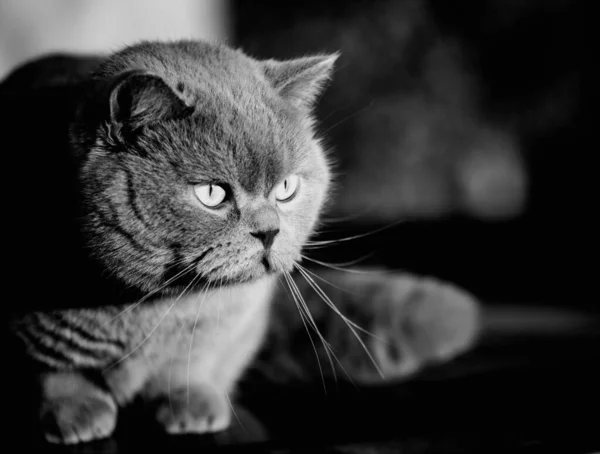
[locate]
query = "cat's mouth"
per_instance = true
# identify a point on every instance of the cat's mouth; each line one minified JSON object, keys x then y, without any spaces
{"x":256,"y":266}
{"x":268,"y":264}
{"x":265,"y":263}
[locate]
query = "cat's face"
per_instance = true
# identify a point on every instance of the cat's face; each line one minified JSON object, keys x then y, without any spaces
{"x":216,"y":180}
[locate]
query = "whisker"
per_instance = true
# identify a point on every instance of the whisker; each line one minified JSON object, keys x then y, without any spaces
{"x":169,"y":386}
{"x":219,"y":307}
{"x":302,"y":317}
{"x":155,"y":328}
{"x":143,"y":340}
{"x":355,"y":237}
{"x":186,"y":270}
{"x":348,"y":117}
{"x":172,"y":358}
{"x":338,"y":268}
{"x":358,"y":327}
{"x":204,"y":292}
{"x":234,"y":412}
{"x":217,"y":335}
{"x":325,"y":220}
{"x":328,"y":349}
{"x":352,"y":262}
{"x":345,"y":290}
{"x":330,"y":303}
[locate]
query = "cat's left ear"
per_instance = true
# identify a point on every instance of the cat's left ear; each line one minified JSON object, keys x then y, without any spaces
{"x":302,"y":80}
{"x":137,"y":98}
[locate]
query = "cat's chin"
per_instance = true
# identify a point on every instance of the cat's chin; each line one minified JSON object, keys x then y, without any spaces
{"x":262,"y":268}
{"x":241,"y":279}
{"x":254,"y":273}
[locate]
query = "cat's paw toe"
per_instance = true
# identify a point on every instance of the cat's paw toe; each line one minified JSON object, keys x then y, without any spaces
{"x":201,"y":410}
{"x":428,"y":321}
{"x":71,"y":420}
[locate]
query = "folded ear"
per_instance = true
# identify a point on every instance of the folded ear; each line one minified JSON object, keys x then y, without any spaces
{"x":137,"y":98}
{"x":301,"y":80}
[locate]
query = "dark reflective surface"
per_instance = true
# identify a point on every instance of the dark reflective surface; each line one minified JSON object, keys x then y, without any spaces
{"x":510,"y":395}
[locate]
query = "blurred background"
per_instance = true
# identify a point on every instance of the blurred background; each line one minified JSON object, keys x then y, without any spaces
{"x":459,"y":123}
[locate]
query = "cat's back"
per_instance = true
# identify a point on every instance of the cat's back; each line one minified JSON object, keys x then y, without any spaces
{"x":37,"y":102}
{"x":38,"y":98}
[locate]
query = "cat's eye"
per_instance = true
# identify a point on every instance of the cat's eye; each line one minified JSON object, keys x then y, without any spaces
{"x":211,"y":195}
{"x":286,"y":190}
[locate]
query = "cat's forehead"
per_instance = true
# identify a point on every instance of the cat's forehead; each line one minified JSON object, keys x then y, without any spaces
{"x":264,"y":145}
{"x":241,"y":129}
{"x":248,"y":140}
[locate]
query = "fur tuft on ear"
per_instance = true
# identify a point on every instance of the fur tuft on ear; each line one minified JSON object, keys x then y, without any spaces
{"x":300,"y":80}
{"x":138,"y":98}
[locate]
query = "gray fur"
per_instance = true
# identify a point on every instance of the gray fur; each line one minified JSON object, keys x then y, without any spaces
{"x":156,"y":119}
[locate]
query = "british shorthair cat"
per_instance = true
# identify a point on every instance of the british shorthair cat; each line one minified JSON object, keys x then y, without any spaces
{"x":172,"y":194}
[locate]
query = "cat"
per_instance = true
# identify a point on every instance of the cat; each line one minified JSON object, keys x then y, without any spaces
{"x":171,"y":189}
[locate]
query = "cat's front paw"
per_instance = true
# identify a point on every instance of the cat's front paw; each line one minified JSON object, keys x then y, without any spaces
{"x":425,"y":321}
{"x":201,"y":409}
{"x":78,"y":418}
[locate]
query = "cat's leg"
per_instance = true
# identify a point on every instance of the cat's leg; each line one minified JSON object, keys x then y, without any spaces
{"x":185,"y":400}
{"x":404,"y":322}
{"x":129,"y":378}
{"x":193,"y":393}
{"x":421,"y":321}
{"x":74,"y":410}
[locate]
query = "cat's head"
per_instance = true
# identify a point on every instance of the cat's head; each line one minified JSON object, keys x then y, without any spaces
{"x":201,"y":162}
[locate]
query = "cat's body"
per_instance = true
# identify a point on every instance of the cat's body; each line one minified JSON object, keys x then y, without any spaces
{"x":38,"y":104}
{"x":180,"y":354}
{"x":113,"y":340}
{"x":168,"y":189}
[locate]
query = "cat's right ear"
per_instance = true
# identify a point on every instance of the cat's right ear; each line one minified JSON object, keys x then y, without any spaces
{"x":300,"y":81}
{"x":137,"y":98}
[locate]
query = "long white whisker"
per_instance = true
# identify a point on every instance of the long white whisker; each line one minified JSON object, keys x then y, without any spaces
{"x":346,"y":319}
{"x":328,"y":349}
{"x":156,"y":327}
{"x":145,"y":338}
{"x":219,"y":307}
{"x":335,"y":267}
{"x":234,"y":412}
{"x":355,"y":237}
{"x":204,"y":291}
{"x":302,"y":317}
{"x":330,"y":303}
{"x":352,"y":262}
{"x":187,"y":269}
{"x":324,"y":280}
{"x":172,"y":358}
{"x":348,"y":117}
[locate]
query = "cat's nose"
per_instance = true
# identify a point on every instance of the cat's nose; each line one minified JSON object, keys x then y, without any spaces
{"x":264,"y":225}
{"x":266,"y":236}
